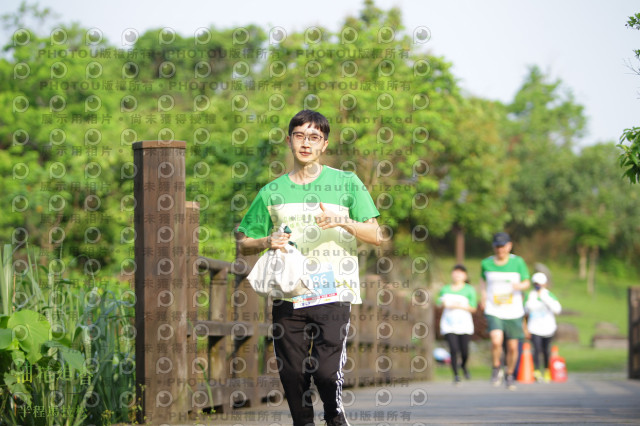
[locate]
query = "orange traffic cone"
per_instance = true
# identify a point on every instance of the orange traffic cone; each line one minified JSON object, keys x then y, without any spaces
{"x":557,"y":366}
{"x":525,"y":372}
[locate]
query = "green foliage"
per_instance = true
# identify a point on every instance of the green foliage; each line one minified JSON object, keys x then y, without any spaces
{"x":475,"y":171}
{"x":634,"y":23}
{"x":543,"y":122}
{"x":6,"y":281}
{"x":31,"y":331}
{"x":601,"y":211}
{"x":395,"y":123}
{"x":630,"y":157}
{"x":433,"y":159}
{"x":630,"y":138}
{"x":66,"y":352}
{"x":618,"y":268}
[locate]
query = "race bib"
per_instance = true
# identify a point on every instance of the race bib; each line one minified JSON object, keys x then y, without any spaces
{"x":502,"y":293}
{"x":323,"y":289}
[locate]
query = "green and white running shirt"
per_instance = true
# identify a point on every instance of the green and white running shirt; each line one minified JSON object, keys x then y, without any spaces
{"x":283,"y":201}
{"x":454,"y":320}
{"x":502,"y":300}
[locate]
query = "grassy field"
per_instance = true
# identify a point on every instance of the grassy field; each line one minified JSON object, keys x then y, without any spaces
{"x":584,"y":311}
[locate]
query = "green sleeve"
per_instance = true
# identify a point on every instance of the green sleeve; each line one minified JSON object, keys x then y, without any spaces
{"x":523,"y":270}
{"x":483,"y":270}
{"x":440,"y":294}
{"x":257,"y":222}
{"x":472,"y":296}
{"x":362,"y":206}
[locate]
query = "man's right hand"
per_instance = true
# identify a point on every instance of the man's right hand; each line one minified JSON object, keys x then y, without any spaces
{"x":278,"y":240}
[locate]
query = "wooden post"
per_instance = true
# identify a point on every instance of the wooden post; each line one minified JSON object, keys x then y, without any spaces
{"x":161,"y":280}
{"x":194,"y":285}
{"x":634,"y":332}
{"x":270,"y":379}
{"x":423,"y":330}
{"x":368,"y":342}
{"x":216,"y":349}
{"x":244,"y":361}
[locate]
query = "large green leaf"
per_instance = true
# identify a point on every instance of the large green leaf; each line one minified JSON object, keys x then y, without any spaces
{"x":6,"y":276}
{"x":31,"y":330}
{"x":73,"y":357}
{"x":6,"y":336}
{"x":18,"y":390}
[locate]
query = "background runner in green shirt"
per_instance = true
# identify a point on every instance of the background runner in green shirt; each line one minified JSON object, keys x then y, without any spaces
{"x":504,"y":277}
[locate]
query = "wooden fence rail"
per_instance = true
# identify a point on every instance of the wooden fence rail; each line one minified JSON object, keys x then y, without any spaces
{"x":204,"y":336}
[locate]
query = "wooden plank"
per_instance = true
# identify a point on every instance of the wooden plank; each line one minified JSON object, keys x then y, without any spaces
{"x":236,"y":329}
{"x":225,"y":393}
{"x":214,"y":265}
{"x":267,"y":384}
{"x":264,"y":329}
{"x":159,"y":144}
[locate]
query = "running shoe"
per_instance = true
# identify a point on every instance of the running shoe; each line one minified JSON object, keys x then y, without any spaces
{"x":496,"y":376}
{"x":339,"y":420}
{"x":537,"y":375}
{"x":466,"y":373}
{"x":510,"y":382}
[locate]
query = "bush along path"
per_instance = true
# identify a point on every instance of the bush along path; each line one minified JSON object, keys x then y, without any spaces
{"x":66,"y":350}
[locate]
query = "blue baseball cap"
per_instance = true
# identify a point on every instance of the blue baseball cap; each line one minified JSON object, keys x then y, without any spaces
{"x":500,"y":239}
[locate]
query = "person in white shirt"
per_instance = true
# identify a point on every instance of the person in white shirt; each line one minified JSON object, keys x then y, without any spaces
{"x":542,"y":306}
{"x":459,"y":301}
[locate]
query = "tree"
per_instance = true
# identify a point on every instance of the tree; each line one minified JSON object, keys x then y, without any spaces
{"x":475,"y":173}
{"x":543,"y":123}
{"x":599,"y":211}
{"x":629,"y":159}
{"x":387,"y":125}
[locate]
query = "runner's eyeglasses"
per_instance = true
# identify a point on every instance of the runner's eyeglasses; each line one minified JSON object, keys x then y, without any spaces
{"x":312,"y":138}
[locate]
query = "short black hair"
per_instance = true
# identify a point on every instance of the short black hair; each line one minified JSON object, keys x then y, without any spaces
{"x":459,"y":267}
{"x":318,"y":121}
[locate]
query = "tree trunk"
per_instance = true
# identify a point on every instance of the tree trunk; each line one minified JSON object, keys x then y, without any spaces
{"x":591,"y":277}
{"x":459,"y":245}
{"x":582,"y":268}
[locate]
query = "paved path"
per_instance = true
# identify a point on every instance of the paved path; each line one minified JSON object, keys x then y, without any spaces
{"x":593,"y":399}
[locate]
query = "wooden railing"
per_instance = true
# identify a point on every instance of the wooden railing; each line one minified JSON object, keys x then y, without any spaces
{"x":204,"y":336}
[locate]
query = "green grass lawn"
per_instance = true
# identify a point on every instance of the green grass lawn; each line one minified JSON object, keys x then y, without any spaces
{"x":607,"y":304}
